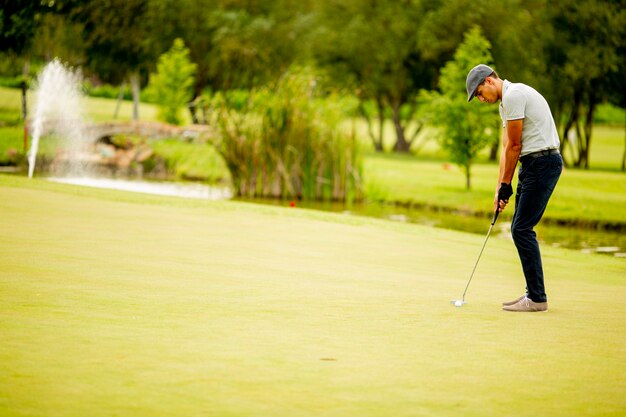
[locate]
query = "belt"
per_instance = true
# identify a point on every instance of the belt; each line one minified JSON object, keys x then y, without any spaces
{"x":533,"y":155}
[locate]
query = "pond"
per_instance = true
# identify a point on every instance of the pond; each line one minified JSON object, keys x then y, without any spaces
{"x":586,"y":240}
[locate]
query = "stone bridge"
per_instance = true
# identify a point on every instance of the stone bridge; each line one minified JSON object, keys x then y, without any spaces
{"x":154,"y":130}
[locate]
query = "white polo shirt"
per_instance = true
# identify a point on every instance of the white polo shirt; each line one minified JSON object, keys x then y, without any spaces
{"x":520,"y":101}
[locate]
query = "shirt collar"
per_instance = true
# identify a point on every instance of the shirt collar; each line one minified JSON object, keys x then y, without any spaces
{"x":505,"y":87}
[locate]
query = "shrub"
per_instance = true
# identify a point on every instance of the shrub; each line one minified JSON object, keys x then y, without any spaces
{"x":466,"y":127}
{"x":106,"y":91}
{"x":171,"y":86}
{"x":286,"y":143}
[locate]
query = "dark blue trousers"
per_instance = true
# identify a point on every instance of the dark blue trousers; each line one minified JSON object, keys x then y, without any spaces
{"x":536,"y":181}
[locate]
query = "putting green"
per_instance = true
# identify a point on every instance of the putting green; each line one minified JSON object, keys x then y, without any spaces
{"x":120,"y":304}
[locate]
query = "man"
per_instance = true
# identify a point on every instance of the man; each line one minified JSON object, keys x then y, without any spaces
{"x":529,"y":136}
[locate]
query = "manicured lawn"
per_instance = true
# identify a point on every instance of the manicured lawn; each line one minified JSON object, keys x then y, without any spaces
{"x":122,"y":304}
{"x":583,"y":195}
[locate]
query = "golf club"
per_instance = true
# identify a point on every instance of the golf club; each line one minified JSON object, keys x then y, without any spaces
{"x":459,"y":303}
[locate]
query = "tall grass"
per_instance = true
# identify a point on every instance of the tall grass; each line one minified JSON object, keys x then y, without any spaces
{"x":286,"y":143}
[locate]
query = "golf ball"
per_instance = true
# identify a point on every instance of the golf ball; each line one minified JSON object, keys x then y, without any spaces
{"x":458,"y":303}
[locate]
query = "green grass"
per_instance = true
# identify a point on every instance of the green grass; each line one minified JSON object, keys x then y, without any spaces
{"x":122,"y":304}
{"x":607,"y":147}
{"x":192,"y":161}
{"x":11,"y":144}
{"x":586,"y":196}
{"x":97,"y":109}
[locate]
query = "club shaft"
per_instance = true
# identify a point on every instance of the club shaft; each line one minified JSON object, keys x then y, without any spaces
{"x":479,"y":255}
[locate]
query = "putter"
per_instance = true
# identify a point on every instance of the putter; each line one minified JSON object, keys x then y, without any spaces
{"x":459,"y":303}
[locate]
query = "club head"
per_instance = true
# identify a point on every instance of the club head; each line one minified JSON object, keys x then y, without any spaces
{"x":457,"y":303}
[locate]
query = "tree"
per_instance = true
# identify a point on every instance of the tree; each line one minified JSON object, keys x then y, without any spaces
{"x":173,"y":82}
{"x":372,"y":47}
{"x":586,"y":57}
{"x":19,"y":21}
{"x":465,"y":127}
{"x":512,"y":26}
{"x":253,"y":42}
{"x":117,"y":34}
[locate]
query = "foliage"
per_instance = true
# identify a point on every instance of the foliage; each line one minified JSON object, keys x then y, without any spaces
{"x":19,"y":21}
{"x":190,"y":161}
{"x":173,"y":82}
{"x":610,"y":114}
{"x":105,"y":91}
{"x":286,"y":143}
{"x":586,"y":54}
{"x":372,"y":48}
{"x":466,"y":127}
{"x":115,"y":34}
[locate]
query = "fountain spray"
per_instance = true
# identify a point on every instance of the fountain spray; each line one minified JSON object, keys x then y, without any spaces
{"x":58,"y":109}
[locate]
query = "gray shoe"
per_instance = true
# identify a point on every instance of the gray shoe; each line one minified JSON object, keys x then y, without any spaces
{"x":526,"y":304}
{"x":517,"y":300}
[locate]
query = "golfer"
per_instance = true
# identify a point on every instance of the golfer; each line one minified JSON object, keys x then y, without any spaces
{"x":529,"y":136}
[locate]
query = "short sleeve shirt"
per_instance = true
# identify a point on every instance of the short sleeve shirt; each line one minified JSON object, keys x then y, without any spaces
{"x":520,"y":101}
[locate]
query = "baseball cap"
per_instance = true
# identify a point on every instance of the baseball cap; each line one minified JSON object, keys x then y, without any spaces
{"x":476,"y":76}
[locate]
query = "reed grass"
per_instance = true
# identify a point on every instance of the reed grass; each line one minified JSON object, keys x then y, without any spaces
{"x":285,"y":142}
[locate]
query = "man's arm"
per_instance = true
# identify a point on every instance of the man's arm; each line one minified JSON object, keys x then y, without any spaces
{"x":511,"y":148}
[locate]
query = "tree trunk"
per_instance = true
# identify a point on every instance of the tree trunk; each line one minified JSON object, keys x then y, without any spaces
{"x":120,"y":96}
{"x":192,"y":106}
{"x":376,"y":142}
{"x":381,"y":124}
{"x":401,"y":143}
{"x":134,"y":83}
{"x":572,"y":121}
{"x":493,"y":152}
{"x":24,"y":87}
{"x":468,"y":175}
{"x":624,"y":156}
{"x":588,"y":128}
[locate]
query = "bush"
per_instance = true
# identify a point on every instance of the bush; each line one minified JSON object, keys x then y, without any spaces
{"x":11,"y":145}
{"x":466,"y":127}
{"x":11,"y":82}
{"x":172,"y":85}
{"x":609,"y":114}
{"x":106,"y":91}
{"x":286,"y":143}
{"x":190,"y":161}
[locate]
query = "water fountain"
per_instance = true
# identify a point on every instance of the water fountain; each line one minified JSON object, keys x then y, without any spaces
{"x":59,"y":109}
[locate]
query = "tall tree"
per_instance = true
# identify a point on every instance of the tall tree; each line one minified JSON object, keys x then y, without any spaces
{"x":173,"y":82}
{"x":585,"y":52}
{"x":465,"y":127}
{"x":116,"y":39}
{"x":372,"y":46}
{"x":19,"y":21}
{"x":512,"y":26}
{"x":253,"y":42}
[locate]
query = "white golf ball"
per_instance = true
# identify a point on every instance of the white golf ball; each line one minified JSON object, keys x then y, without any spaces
{"x":458,"y":303}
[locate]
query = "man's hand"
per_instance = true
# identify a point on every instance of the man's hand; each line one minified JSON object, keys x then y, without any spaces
{"x":504,"y":193}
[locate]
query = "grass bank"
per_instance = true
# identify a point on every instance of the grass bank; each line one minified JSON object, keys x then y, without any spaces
{"x":586,"y":198}
{"x":121,"y":304}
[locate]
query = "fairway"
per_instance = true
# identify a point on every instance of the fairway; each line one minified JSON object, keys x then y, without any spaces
{"x":122,"y":304}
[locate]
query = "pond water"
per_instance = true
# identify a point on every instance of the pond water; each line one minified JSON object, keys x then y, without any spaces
{"x":586,"y":240}
{"x":177,"y":189}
